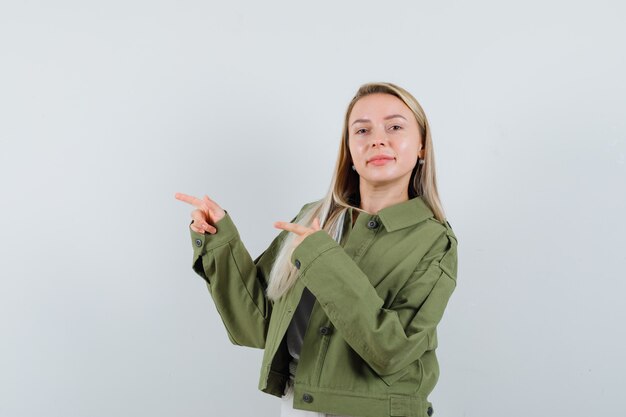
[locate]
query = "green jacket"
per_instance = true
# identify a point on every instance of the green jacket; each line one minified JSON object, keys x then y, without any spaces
{"x":369,"y":348}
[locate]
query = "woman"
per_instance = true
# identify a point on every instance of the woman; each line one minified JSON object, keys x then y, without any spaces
{"x":347,"y":298}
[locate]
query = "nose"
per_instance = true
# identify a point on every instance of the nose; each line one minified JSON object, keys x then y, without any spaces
{"x":378,"y":137}
{"x":379,"y":140}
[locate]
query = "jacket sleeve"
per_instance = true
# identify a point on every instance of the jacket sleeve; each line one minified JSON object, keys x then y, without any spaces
{"x":388,"y":339}
{"x":235,"y":282}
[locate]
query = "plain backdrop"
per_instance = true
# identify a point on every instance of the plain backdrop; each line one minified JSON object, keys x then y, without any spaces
{"x":109,"y":108}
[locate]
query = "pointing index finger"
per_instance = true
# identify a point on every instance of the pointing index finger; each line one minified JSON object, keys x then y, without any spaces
{"x":189,"y":199}
{"x":291,"y":227}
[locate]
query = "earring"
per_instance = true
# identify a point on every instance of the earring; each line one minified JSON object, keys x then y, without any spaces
{"x":353,"y":168}
{"x":420,"y":161}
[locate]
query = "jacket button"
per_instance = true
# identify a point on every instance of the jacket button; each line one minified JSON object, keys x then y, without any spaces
{"x":297,"y":263}
{"x":307,"y":398}
{"x":325,"y":330}
{"x":430,"y":411}
{"x":198,"y":242}
{"x":372,"y":224}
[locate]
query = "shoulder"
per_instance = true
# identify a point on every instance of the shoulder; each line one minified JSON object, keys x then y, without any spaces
{"x":441,"y":243}
{"x":443,"y":227}
{"x":444,"y":245}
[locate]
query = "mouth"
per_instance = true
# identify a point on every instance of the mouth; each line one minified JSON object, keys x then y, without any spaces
{"x":380,"y":159}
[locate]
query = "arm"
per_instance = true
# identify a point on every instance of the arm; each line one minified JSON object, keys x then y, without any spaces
{"x":388,"y":339}
{"x":236,"y":282}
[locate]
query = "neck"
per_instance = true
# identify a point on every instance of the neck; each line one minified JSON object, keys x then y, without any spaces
{"x":377,"y":198}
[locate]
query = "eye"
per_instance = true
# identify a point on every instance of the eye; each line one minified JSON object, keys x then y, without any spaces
{"x":362,"y":130}
{"x":396,"y":127}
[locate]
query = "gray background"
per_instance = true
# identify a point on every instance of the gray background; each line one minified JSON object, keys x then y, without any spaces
{"x":107,"y":109}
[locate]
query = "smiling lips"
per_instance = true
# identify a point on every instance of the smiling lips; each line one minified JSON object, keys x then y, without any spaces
{"x":380,"y":159}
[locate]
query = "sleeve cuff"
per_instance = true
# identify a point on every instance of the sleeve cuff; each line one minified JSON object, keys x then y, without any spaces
{"x":226,"y":231}
{"x":311,"y":248}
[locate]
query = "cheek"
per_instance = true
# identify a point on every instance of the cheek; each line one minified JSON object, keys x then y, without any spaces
{"x":350,"y":148}
{"x":409,"y":145}
{"x":355,"y":149}
{"x":406,"y":148}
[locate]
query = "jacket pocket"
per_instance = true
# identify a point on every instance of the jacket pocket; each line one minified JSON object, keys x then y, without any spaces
{"x":391,"y":378}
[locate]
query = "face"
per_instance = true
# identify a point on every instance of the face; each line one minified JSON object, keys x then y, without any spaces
{"x":382,"y":125}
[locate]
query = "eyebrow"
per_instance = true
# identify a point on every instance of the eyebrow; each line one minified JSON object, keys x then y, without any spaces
{"x":393,"y":116}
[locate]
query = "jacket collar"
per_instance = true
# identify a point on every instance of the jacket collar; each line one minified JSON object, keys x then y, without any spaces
{"x":404,"y":214}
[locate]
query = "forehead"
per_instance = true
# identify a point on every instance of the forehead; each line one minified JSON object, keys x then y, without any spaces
{"x":379,"y":105}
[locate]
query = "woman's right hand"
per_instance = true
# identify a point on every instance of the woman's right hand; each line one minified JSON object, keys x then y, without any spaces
{"x":206,"y":214}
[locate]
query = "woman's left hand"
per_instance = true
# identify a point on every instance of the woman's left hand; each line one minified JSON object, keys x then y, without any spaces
{"x":301,"y":231}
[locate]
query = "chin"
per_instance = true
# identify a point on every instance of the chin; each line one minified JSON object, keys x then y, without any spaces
{"x":383,"y":179}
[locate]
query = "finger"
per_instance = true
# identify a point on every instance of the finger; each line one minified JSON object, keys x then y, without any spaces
{"x":201,"y":226}
{"x":200,"y":220}
{"x":316,"y":224}
{"x":188,"y":199}
{"x":211,"y":204}
{"x":196,"y":229}
{"x":207,"y":205}
{"x":204,"y":207}
{"x":199,"y":216}
{"x":291,"y":227}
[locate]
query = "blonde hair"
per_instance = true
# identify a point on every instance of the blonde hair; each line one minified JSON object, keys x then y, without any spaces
{"x":344,"y":191}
